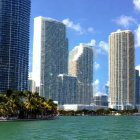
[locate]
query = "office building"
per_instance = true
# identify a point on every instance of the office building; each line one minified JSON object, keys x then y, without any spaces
{"x":121,"y":70}
{"x":68,"y":89}
{"x":14,"y":44}
{"x":81,"y":66}
{"x":50,"y":55}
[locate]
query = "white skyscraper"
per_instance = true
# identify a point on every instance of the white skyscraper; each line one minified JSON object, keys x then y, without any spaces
{"x":81,"y":65}
{"x":50,"y":55}
{"x":121,"y":70}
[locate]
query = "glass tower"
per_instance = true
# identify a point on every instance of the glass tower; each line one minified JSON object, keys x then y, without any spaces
{"x":50,"y":55}
{"x":14,"y":44}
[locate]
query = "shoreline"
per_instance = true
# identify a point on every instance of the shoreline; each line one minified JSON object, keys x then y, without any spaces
{"x":17,"y":120}
{"x":57,"y":117}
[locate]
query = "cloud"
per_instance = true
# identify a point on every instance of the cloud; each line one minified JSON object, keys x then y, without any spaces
{"x":97,"y":90}
{"x":92,"y":42}
{"x":90,"y":29}
{"x":137,"y":32}
{"x":96,"y":65}
{"x":125,"y":21}
{"x":107,"y":84}
{"x":77,"y":27}
{"x":99,"y":49}
{"x":136,"y":4}
{"x":103,"y":45}
{"x":96,"y":82}
{"x":138,"y":68}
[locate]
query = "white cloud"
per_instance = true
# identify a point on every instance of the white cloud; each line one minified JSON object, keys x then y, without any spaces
{"x":137,"y":4}
{"x":77,"y":27}
{"x":138,"y":36}
{"x":103,"y":45}
{"x":125,"y":21}
{"x":90,"y":29}
{"x":107,"y":84}
{"x":92,"y":42}
{"x":99,"y":49}
{"x":96,"y":82}
{"x":97,"y":90}
{"x":138,"y":68}
{"x":98,"y":93}
{"x":97,"y":66}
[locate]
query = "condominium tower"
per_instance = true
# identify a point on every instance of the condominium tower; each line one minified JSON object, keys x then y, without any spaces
{"x":14,"y":44}
{"x":121,"y":70}
{"x":50,"y":55}
{"x":81,"y":65}
{"x":68,"y":89}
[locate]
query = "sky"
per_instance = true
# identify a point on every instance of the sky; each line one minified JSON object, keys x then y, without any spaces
{"x":91,"y":21}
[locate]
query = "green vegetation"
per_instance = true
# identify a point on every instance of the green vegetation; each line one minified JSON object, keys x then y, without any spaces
{"x":76,"y":113}
{"x":24,"y":105}
{"x":101,"y":111}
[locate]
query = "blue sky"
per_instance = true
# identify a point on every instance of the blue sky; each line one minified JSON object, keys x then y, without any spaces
{"x":92,"y":21}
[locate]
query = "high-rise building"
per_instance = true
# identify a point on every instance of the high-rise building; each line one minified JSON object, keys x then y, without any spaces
{"x":68,"y":89}
{"x":121,"y":70}
{"x":14,"y":44}
{"x":81,"y":65}
{"x":31,"y":83}
{"x":50,"y":55}
{"x":101,"y":100}
{"x":137,"y":88}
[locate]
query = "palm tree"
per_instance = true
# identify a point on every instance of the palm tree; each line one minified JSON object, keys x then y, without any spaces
{"x":50,"y":106}
{"x":3,"y":98}
{"x":21,"y":104}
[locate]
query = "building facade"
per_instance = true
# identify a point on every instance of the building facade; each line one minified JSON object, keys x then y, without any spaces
{"x":68,"y":88}
{"x":14,"y":44}
{"x":100,"y":100}
{"x":31,"y":83}
{"x":50,"y":55}
{"x":121,"y":70}
{"x":81,"y":65}
{"x":137,"y":88}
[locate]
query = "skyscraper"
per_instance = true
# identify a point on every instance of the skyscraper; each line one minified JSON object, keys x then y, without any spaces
{"x":14,"y":44}
{"x":137,"y":88}
{"x":81,"y":65}
{"x":68,"y":89}
{"x":50,"y":55}
{"x":121,"y":70}
{"x":31,"y":83}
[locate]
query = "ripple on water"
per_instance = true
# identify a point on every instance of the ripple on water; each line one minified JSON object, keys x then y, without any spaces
{"x":74,"y":128}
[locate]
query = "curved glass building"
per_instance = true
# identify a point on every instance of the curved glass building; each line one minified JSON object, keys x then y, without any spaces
{"x":14,"y":44}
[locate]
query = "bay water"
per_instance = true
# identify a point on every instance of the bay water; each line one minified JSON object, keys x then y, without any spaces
{"x":74,"y":128}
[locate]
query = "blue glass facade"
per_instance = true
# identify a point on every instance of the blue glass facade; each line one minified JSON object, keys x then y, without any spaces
{"x":14,"y":44}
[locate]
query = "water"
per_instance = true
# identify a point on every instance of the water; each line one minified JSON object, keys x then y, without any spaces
{"x":74,"y":128}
